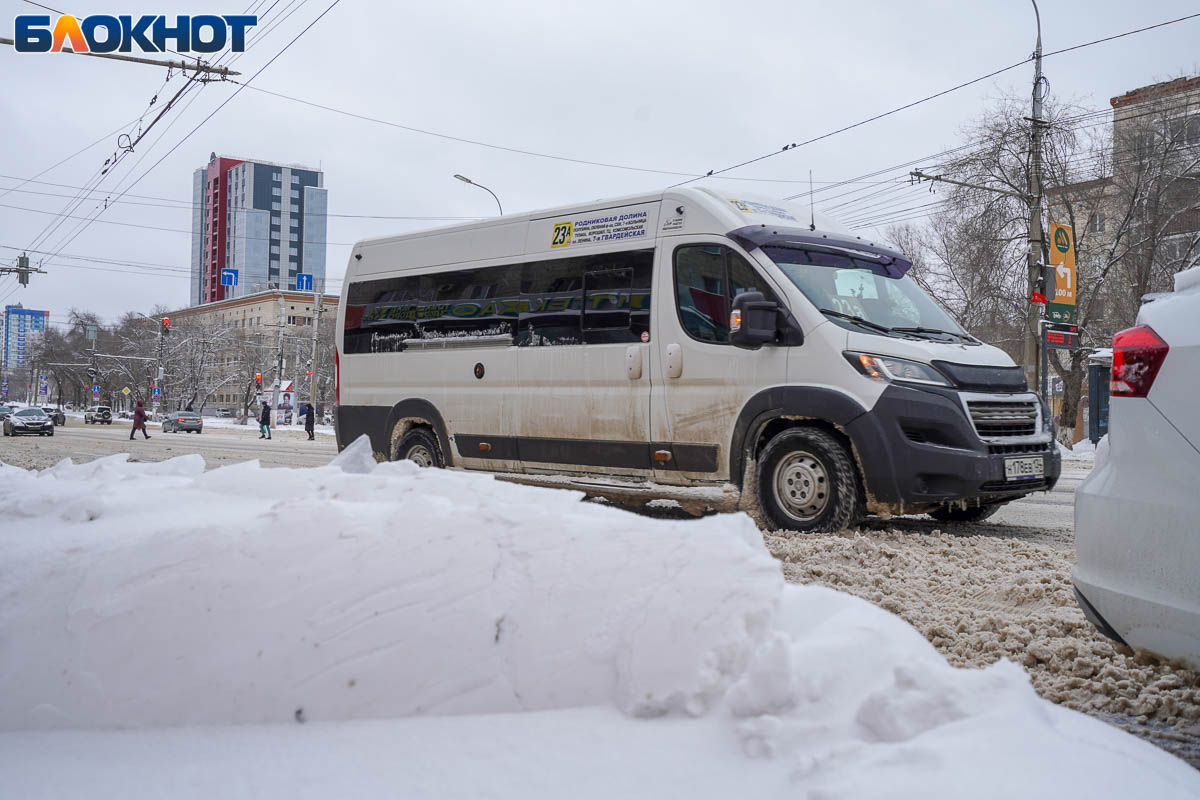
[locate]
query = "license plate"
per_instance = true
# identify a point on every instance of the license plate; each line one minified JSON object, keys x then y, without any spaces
{"x":1019,"y":469}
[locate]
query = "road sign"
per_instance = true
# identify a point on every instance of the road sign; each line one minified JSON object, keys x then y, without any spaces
{"x":229,"y":277}
{"x":1062,"y":337}
{"x":44,"y":389}
{"x":157,"y":392}
{"x":125,"y":391}
{"x":1062,"y":258}
{"x":303,"y":282}
{"x":96,"y":391}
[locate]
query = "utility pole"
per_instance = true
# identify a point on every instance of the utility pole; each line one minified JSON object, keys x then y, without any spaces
{"x":21,"y":270}
{"x":1033,"y":312}
{"x":318,"y":296}
{"x":279,"y":347}
{"x":183,"y":66}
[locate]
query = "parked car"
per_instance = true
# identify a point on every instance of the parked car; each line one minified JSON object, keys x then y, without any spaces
{"x":57,"y":415}
{"x":178,"y":421}
{"x":98,"y":415}
{"x":225,"y":412}
{"x":7,"y":409}
{"x":1137,"y":571}
{"x":28,"y":420}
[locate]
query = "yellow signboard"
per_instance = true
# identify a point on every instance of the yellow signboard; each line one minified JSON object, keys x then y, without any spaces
{"x":1062,"y":258}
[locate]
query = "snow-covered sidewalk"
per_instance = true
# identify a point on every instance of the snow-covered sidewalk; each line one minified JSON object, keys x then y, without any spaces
{"x":374,"y":630}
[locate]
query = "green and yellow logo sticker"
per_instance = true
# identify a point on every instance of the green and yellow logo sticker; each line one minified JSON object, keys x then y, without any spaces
{"x":562,"y":234}
{"x":1062,"y":240}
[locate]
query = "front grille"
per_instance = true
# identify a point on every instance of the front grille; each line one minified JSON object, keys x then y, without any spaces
{"x":1014,"y":449}
{"x":999,"y":418}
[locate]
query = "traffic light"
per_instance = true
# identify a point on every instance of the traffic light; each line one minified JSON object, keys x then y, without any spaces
{"x":166,"y":326}
{"x":258,"y":381}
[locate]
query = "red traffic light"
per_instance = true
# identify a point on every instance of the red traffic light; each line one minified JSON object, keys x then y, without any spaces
{"x":166,"y":323}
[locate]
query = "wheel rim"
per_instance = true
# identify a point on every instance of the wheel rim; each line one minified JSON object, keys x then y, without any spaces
{"x":420,"y":455}
{"x":802,"y":486}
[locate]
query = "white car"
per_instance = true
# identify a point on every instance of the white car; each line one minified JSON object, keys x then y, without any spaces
{"x":1137,"y":516}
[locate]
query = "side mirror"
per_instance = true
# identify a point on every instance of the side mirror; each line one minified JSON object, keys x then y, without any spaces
{"x":752,"y":322}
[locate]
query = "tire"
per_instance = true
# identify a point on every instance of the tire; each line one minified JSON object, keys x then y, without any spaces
{"x":969,"y":514}
{"x":51,"y":433}
{"x":807,"y":483}
{"x":420,"y":446}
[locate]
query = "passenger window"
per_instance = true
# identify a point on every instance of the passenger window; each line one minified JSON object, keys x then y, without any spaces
{"x":707,"y":278}
{"x":550,"y":303}
{"x":606,"y":301}
{"x":601,"y":299}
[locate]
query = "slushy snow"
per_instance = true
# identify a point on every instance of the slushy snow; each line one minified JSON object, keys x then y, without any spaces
{"x":375,"y":630}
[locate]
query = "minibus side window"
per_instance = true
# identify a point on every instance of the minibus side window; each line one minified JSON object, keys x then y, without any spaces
{"x":707,"y":278}
{"x":600,"y":299}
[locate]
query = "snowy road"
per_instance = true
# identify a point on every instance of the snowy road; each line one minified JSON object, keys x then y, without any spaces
{"x":1002,"y":589}
{"x":219,"y":445}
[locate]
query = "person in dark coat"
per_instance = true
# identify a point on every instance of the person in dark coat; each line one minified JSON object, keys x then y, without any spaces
{"x":310,"y":420}
{"x":264,"y":421}
{"x":139,"y":421}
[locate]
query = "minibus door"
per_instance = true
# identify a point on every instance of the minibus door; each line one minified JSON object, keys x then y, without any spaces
{"x":584,"y":366}
{"x":701,"y":380}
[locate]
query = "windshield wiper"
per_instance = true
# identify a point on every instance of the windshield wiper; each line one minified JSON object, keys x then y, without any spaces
{"x":866,"y":323}
{"x":966,"y":336}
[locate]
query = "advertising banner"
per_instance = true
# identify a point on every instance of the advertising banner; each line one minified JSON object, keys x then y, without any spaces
{"x":1062,"y":258}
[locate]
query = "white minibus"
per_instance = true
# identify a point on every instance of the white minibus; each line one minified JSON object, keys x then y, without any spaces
{"x":722,"y":351}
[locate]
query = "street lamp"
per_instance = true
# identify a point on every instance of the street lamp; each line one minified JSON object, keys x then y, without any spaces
{"x":465,"y":179}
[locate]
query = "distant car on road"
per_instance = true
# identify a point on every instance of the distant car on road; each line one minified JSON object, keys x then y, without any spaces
{"x":6,"y":409}
{"x":58,"y":416}
{"x":28,"y":420}
{"x":1137,"y":576}
{"x":98,"y":415}
{"x":178,"y":421}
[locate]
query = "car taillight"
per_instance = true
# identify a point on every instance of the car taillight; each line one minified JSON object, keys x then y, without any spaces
{"x":337,"y":379}
{"x":1138,"y":353}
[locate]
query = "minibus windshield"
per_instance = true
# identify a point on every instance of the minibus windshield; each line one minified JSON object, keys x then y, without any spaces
{"x":859,"y":292}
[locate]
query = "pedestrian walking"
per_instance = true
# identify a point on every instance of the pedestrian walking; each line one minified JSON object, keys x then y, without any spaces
{"x":310,"y":420}
{"x":264,"y":421}
{"x":139,"y":421}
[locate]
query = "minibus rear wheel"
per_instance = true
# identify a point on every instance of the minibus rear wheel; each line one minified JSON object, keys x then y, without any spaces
{"x":420,"y":446}
{"x":807,"y":482}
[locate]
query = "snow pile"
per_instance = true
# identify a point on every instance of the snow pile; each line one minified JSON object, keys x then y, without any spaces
{"x":406,"y":613}
{"x":1083,"y":450}
{"x":980,"y":599}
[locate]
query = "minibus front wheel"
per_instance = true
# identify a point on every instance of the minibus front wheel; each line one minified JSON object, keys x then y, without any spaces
{"x":807,"y":482}
{"x":420,"y":446}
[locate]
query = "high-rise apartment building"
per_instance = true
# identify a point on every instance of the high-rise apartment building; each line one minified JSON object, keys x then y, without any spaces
{"x":20,"y":324}
{"x":264,"y":220}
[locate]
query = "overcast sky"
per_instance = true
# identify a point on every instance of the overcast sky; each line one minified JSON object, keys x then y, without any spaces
{"x":677,"y":86}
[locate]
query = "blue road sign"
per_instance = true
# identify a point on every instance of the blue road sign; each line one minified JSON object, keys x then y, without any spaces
{"x":96,"y":391}
{"x":157,"y":391}
{"x":303,"y":282}
{"x":229,"y":277}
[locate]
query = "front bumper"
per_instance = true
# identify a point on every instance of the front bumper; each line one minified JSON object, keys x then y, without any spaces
{"x":918,"y":450}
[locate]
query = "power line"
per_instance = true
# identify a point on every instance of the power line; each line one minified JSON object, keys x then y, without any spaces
{"x":184,"y":205}
{"x":928,"y":98}
{"x":211,"y":114}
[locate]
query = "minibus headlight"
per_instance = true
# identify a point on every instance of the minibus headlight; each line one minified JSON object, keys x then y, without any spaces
{"x":887,"y":368}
